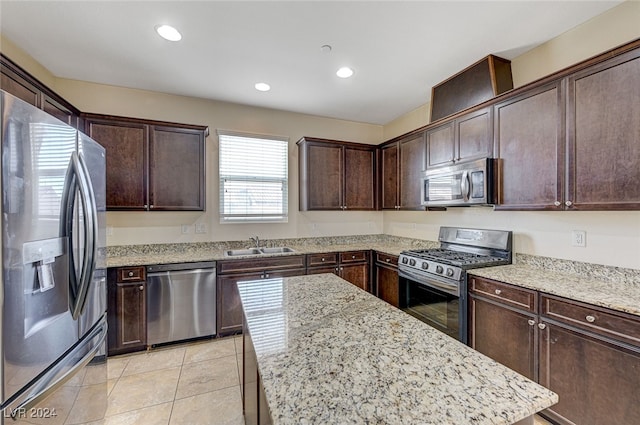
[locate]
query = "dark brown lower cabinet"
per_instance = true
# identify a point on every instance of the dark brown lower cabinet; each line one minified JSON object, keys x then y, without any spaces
{"x":254,"y":401}
{"x":385,"y":285}
{"x":352,"y":266}
{"x":588,"y":355}
{"x":230,"y":272}
{"x":126,"y":309}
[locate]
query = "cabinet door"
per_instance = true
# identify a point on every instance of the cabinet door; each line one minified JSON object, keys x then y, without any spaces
{"x":529,"y":139}
{"x":386,"y":285}
{"x":597,"y":380}
{"x":603,"y":128}
{"x":229,"y":314}
{"x":60,"y":111}
{"x":130,"y":331}
{"x":126,"y":147}
{"x":474,"y":135}
{"x":412,"y":163}
{"x":15,"y":84}
{"x":440,"y":145}
{"x":324,"y":180}
{"x":359,"y":181}
{"x":358,"y":274}
{"x":506,"y":335}
{"x":389,"y":176}
{"x":176,"y":169}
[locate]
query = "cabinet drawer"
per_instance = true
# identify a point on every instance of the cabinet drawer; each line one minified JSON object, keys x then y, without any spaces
{"x":595,"y":319}
{"x":323,"y":259}
{"x":131,"y":274}
{"x":354,"y":257}
{"x":261,"y":264}
{"x":383,"y":258}
{"x":512,"y":295}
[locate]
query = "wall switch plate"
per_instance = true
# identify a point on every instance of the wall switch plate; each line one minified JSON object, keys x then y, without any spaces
{"x":185,"y":228}
{"x":201,"y":228}
{"x":579,"y":238}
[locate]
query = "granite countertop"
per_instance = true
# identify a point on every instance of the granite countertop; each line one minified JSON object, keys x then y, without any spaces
{"x":610,"y":287}
{"x":139,"y":255}
{"x":331,"y":353}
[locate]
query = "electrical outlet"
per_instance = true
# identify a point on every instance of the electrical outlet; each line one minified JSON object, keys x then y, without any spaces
{"x":201,"y":228}
{"x":185,"y":228}
{"x":579,"y":238}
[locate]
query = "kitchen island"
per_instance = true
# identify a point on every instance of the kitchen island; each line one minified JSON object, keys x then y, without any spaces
{"x":320,"y":350}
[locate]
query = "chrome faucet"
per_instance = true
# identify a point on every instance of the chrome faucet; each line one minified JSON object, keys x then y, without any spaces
{"x":256,"y":240}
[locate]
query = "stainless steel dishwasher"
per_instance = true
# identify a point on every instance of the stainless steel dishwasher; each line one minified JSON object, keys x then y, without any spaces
{"x":181,"y":301}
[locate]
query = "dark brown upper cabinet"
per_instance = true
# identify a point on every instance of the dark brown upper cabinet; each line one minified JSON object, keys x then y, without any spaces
{"x":151,"y":165}
{"x":573,"y":143}
{"x":603,"y":131}
{"x":402,"y":162}
{"x":24,"y":86}
{"x":529,"y":140}
{"x":463,"y":139}
{"x":336,"y":175}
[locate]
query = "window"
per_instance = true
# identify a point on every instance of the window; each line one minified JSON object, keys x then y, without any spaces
{"x":253,"y":178}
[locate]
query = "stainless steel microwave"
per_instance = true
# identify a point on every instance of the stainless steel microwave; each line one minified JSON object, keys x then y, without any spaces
{"x":459,"y":185}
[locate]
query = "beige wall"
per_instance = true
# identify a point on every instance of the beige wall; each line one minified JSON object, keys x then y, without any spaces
{"x":165,"y":227}
{"x":613,"y":238}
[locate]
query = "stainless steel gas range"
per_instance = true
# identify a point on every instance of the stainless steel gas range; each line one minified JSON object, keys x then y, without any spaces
{"x":433,"y":282}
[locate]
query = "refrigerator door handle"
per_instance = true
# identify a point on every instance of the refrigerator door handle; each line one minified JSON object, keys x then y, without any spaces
{"x":99,"y":333}
{"x":78,"y":177}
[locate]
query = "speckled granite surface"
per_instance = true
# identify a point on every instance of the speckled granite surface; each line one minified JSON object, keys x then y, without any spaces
{"x":136,"y":255}
{"x":612,"y":287}
{"x":330,"y":353}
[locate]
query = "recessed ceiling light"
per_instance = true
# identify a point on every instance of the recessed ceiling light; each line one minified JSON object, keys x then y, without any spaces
{"x":168,"y":32}
{"x":344,"y":72}
{"x":262,"y":87}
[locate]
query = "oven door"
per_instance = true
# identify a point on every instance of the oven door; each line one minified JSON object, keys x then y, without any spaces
{"x":436,"y":303}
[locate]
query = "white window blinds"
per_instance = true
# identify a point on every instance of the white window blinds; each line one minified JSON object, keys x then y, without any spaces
{"x":253,"y":178}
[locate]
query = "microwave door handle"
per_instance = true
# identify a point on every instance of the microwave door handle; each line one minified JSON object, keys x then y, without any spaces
{"x":465,"y":186}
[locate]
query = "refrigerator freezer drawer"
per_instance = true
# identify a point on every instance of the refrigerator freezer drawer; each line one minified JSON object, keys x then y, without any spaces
{"x":181,"y":304}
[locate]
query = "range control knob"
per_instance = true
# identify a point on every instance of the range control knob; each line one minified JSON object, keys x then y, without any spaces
{"x":439,"y":269}
{"x":405,"y":260}
{"x":412,"y":262}
{"x":425,"y":265}
{"x":449,"y":272}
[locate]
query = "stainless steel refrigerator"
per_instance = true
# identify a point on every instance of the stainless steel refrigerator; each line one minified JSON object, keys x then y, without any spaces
{"x":53,"y":283}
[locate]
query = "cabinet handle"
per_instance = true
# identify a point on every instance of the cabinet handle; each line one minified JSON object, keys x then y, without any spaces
{"x":557,"y":203}
{"x":141,"y":287}
{"x":345,"y":207}
{"x":130,"y":274}
{"x":531,"y":322}
{"x":388,"y":260}
{"x":341,"y":268}
{"x":322,"y":258}
{"x":353,"y":257}
{"x":266,"y":275}
{"x":590,"y":319}
{"x":145,"y":206}
{"x":498,"y":291}
{"x":151,"y":206}
{"x":568,"y":203}
{"x":542,"y":325}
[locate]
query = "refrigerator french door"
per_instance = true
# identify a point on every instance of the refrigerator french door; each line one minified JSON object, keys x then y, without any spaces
{"x":53,"y":281}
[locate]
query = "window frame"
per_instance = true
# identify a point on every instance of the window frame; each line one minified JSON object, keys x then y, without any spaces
{"x":227,"y":218}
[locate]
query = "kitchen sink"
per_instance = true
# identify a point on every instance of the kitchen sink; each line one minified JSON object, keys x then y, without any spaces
{"x":239,"y":252}
{"x":276,"y":250}
{"x":257,"y":251}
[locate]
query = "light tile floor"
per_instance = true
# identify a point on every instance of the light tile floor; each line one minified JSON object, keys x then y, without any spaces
{"x":187,"y":384}
{"x":194,"y":384}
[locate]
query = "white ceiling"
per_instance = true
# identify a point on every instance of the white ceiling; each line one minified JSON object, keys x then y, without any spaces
{"x":399,"y":49}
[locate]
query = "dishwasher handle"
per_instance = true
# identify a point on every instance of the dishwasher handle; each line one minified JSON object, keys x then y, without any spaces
{"x":157,"y":268}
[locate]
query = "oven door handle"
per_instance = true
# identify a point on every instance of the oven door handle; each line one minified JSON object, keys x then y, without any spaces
{"x":434,"y":282}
